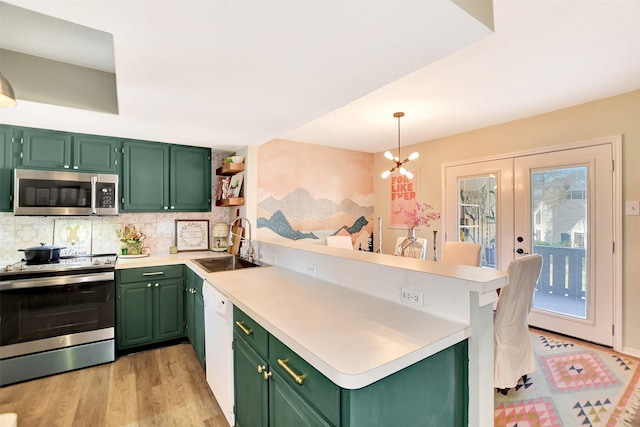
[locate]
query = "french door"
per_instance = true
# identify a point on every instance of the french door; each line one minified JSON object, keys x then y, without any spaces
{"x":558,"y":204}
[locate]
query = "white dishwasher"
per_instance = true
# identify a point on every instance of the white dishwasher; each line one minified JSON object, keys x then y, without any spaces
{"x":218,"y":326}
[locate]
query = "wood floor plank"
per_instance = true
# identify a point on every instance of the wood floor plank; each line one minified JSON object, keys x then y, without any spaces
{"x":160,"y":387}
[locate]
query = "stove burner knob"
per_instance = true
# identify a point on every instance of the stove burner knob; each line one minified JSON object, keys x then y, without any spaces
{"x":96,"y":262}
{"x":108,"y":261}
{"x":9,"y":267}
{"x":22,"y":267}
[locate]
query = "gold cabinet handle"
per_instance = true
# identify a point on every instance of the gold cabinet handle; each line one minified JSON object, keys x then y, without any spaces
{"x":247,"y":331}
{"x":261,"y":368}
{"x":296,"y":377}
{"x":266,"y":375}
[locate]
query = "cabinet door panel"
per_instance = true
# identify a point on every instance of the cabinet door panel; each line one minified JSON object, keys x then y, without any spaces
{"x":135,"y":315}
{"x":168,"y":310}
{"x":95,"y":154}
{"x":251,"y":390}
{"x":189,"y":314}
{"x":198,"y":328}
{"x":190,"y":178}
{"x":145,"y":177}
{"x":46,"y":150}
{"x":6,"y":178}
{"x":288,"y":409}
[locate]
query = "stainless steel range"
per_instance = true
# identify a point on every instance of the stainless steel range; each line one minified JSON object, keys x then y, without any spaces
{"x":56,"y":317}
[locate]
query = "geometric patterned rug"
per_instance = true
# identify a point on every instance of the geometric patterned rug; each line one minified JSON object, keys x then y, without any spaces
{"x":573,"y":385}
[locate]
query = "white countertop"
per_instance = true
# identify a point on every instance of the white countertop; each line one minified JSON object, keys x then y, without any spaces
{"x":165,"y":258}
{"x":352,"y":338}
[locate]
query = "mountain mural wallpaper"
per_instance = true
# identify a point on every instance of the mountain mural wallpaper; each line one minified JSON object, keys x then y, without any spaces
{"x":307,"y":192}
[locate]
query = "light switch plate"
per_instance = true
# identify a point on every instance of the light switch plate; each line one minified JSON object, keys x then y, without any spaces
{"x":633,"y":207}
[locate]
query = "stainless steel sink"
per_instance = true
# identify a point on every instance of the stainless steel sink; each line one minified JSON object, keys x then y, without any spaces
{"x":226,"y":263}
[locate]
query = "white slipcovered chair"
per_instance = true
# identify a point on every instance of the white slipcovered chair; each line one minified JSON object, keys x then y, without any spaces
{"x":339,"y":242}
{"x":414,"y":252}
{"x":462,"y":253}
{"x":513,"y":353}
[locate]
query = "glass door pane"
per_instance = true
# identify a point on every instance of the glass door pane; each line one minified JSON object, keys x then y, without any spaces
{"x":477,"y":215}
{"x":559,"y":227}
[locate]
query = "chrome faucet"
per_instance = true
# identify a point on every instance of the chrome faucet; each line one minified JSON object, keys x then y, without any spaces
{"x":245,"y":241}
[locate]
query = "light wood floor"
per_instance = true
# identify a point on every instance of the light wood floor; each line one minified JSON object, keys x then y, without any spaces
{"x":160,"y":387}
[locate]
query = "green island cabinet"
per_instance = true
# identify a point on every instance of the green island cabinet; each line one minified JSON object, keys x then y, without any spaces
{"x":194,"y":313}
{"x":160,"y":177}
{"x":274,"y":387}
{"x":46,"y":149}
{"x":149,"y":305}
{"x":6,"y":164}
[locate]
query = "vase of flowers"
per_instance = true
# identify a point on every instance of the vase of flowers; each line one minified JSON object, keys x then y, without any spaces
{"x":414,"y":214}
{"x":131,"y":240}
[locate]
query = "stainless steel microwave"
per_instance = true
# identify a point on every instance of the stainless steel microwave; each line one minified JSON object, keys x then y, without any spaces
{"x":41,"y":192}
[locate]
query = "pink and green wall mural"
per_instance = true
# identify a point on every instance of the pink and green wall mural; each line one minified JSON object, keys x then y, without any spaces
{"x":307,"y":192}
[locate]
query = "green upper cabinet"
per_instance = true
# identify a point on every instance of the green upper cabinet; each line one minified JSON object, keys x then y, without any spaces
{"x":190,"y":178}
{"x":95,"y":154}
{"x":6,"y":179}
{"x":159,"y":177}
{"x":145,"y":173}
{"x":44,"y":149}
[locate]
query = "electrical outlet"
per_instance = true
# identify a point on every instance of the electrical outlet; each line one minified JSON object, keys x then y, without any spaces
{"x":411,"y":296}
{"x":311,"y":269}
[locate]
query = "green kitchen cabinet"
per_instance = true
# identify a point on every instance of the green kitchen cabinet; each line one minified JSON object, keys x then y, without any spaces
{"x":251,"y":389}
{"x":194,"y":313}
{"x":6,"y":171}
{"x":145,"y":173}
{"x":45,"y":149}
{"x":150,"y":305}
{"x":135,"y":315}
{"x":264,"y":396}
{"x":433,"y":391}
{"x":95,"y":154}
{"x":161,"y":177}
{"x":190,"y":178}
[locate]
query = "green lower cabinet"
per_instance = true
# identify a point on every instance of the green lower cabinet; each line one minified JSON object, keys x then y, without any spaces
{"x":151,"y":309}
{"x":432,"y":392}
{"x":288,"y":408}
{"x":135,"y":315}
{"x":194,"y":314}
{"x":198,"y":326}
{"x":251,"y":389}
{"x":168,"y":314}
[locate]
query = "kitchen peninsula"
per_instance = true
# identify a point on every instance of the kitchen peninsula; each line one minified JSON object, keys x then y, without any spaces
{"x":340,"y":311}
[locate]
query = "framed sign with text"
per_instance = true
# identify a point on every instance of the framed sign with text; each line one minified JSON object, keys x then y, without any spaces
{"x":192,"y":235}
{"x":402,"y":190}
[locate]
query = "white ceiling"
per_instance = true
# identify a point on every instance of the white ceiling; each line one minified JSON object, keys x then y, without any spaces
{"x":232,"y":73}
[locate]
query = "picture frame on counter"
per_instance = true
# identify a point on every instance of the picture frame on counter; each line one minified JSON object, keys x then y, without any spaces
{"x":192,"y":235}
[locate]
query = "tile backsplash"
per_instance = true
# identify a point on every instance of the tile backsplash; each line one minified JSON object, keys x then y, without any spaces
{"x":21,"y":232}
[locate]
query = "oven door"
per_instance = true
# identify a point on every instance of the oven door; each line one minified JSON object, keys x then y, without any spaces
{"x":46,"y":313}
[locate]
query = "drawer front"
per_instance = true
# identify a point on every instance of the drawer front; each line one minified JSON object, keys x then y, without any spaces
{"x":128,"y":275}
{"x":317,"y":389}
{"x":253,"y":333}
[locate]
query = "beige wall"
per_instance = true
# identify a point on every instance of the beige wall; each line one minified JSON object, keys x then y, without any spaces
{"x":615,"y":115}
